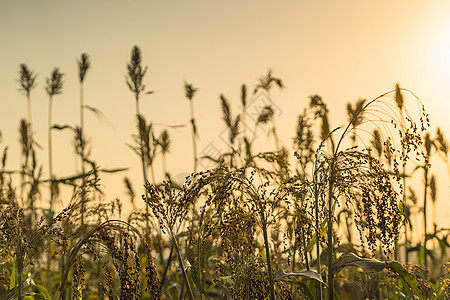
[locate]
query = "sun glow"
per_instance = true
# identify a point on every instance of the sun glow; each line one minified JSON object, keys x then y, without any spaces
{"x":438,"y":51}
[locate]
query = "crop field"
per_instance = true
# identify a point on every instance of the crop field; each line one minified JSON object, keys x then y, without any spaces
{"x":237,"y":150}
{"x":334,"y":223}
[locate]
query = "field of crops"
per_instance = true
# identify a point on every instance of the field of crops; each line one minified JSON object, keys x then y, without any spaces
{"x":335,"y":223}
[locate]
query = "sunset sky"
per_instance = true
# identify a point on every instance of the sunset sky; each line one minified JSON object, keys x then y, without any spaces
{"x":340,"y":50}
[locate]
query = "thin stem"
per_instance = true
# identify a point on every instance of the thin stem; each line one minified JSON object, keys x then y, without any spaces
{"x":269,"y":261}
{"x":164,"y":164}
{"x":82,"y":146}
{"x":293,"y":255}
{"x":163,"y":279}
{"x":81,"y":106}
{"x":144,"y":171}
{"x":136,"y":95}
{"x":30,"y":136}
{"x":194,"y":140}
{"x":180,"y":297}
{"x":29,"y":115}
{"x":403,"y":196}
{"x":316,"y":204}
{"x":425,"y":213}
{"x":152,"y":173}
{"x":50,"y":156}
{"x":330,"y":235}
{"x":199,"y":268}
{"x":175,"y":242}
{"x":306,"y":253}
{"x":19,"y":257}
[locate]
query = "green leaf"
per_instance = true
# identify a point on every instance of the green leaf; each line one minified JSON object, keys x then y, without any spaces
{"x":44,"y":292}
{"x":414,"y":288}
{"x":12,"y":280}
{"x":306,"y":290}
{"x":401,"y":206}
{"x":350,"y":259}
{"x":61,"y":127}
{"x":421,"y":255}
{"x":174,"y":290}
{"x":313,"y":241}
{"x":13,"y":294}
{"x":293,"y":277}
{"x":196,"y":280}
{"x":113,"y":170}
{"x":443,"y":244}
{"x":373,"y":265}
{"x":283,"y":276}
{"x":100,"y":116}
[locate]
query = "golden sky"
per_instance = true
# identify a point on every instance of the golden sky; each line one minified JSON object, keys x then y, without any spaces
{"x":341,"y":50}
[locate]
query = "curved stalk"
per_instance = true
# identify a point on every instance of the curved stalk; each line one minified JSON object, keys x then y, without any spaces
{"x":73,"y":254}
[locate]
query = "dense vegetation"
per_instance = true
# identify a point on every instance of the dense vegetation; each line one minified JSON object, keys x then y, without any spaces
{"x":335,"y":223}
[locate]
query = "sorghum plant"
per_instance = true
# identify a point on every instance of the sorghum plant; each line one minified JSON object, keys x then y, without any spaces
{"x":136,"y":73}
{"x":170,"y":207}
{"x":83,"y":66}
{"x":189,"y":93}
{"x":54,"y":87}
{"x":361,"y":181}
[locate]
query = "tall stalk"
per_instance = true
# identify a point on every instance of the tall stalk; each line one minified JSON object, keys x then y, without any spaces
{"x":83,"y":66}
{"x":136,"y":73}
{"x":330,"y":235}
{"x":428,"y":143}
{"x":268,"y":258}
{"x":190,"y":92}
{"x":54,"y":87}
{"x":19,"y":256}
{"x":183,"y":271}
{"x":316,"y":211}
{"x":400,"y":103}
{"x":27,"y":80}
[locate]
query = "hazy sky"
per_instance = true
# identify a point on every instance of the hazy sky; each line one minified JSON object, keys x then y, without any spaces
{"x":341,"y":50}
